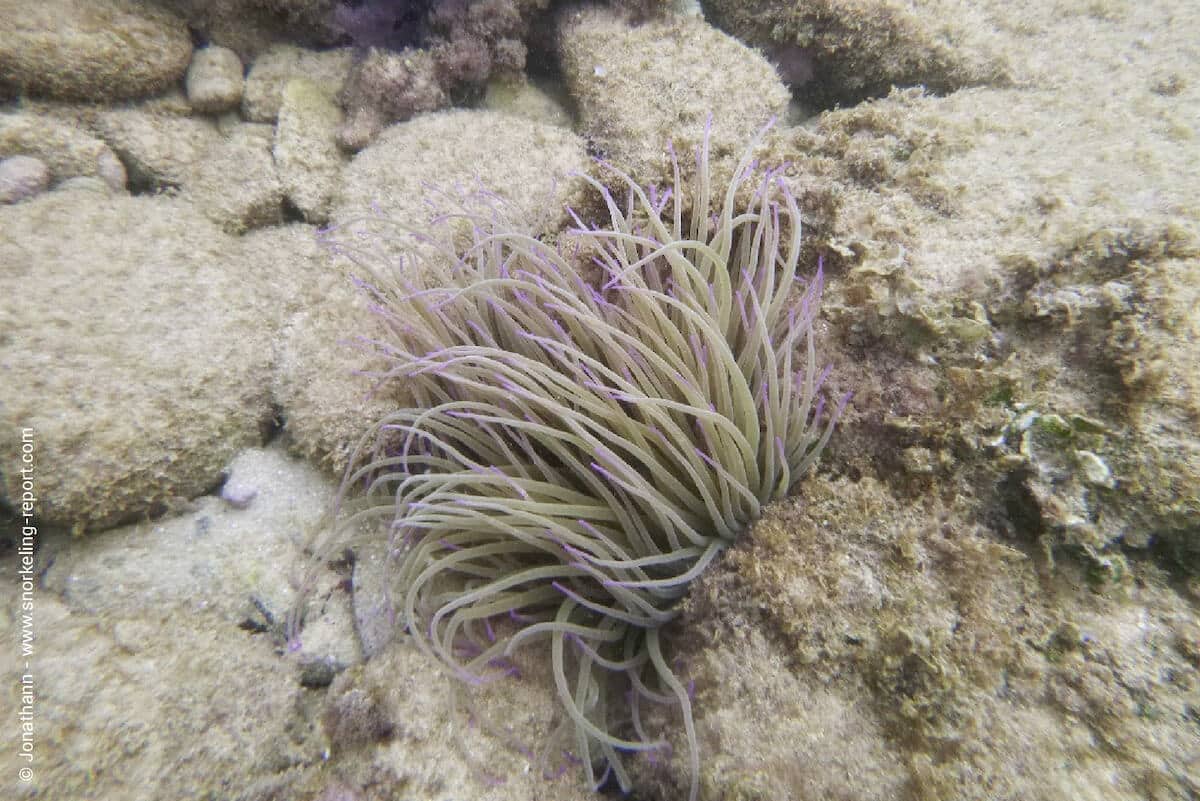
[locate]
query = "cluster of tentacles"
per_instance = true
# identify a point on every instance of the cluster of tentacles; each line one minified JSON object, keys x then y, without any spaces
{"x":583,"y":442}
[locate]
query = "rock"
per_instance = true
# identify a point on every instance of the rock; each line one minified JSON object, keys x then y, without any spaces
{"x":218,"y":556}
{"x":311,"y":292}
{"x":255,"y":199}
{"x":141,"y":360}
{"x":66,"y":150}
{"x":239,"y":495}
{"x":413,"y":725}
{"x":251,"y":27}
{"x":326,"y":406}
{"x":871,"y":632}
{"x":231,"y":702}
{"x":165,"y":151}
{"x":980,"y":224}
{"x":522,"y":161}
{"x":271,"y":72}
{"x":22,"y":177}
{"x":160,"y":151}
{"x":236,"y":563}
{"x":214,"y":80}
{"x":838,"y":52}
{"x":1126,"y":473}
{"x":290,"y":267}
{"x":638,"y":88}
{"x":527,"y":99}
{"x":386,"y":87}
{"x":417,"y":58}
{"x":305,"y":150}
{"x":91,"y":50}
{"x":374,"y":612}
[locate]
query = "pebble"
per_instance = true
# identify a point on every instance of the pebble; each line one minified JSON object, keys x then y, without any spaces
{"x":215,"y":80}
{"x":22,"y":177}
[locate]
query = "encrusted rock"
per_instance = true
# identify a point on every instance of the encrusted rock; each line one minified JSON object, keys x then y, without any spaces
{"x":272,"y":71}
{"x":255,"y":199}
{"x":527,"y":99}
{"x":386,"y":87}
{"x":67,"y":151}
{"x":159,"y":150}
{"x":198,"y":156}
{"x":214,"y":80}
{"x":250,"y":27}
{"x":639,"y":87}
{"x":91,"y":49}
{"x":136,"y":362}
{"x":840,"y":51}
{"x":305,"y":149}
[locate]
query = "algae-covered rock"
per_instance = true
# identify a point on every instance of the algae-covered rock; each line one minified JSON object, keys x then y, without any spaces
{"x":385,"y":87}
{"x":305,"y":149}
{"x":91,"y":50}
{"x":842,"y":51}
{"x":110,"y":690}
{"x":160,"y":151}
{"x":640,"y":87}
{"x":135,"y":357}
{"x":991,"y":265}
{"x":255,"y":199}
{"x":1118,"y":309}
{"x":66,"y":150}
{"x":900,"y":649}
{"x":167,"y":151}
{"x":234,"y":561}
{"x":525,"y":98}
{"x":214,"y":80}
{"x":273,"y":69}
{"x":401,"y":726}
{"x":328,"y":405}
{"x":251,"y":27}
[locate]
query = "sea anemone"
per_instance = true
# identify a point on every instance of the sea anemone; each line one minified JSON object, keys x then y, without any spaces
{"x":592,"y":423}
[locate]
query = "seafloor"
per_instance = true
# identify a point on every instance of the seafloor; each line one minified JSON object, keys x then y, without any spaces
{"x":988,"y":589}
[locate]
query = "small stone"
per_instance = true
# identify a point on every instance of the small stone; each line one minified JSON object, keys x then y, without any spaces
{"x":1095,"y":470}
{"x":215,"y":80}
{"x":354,"y":716}
{"x":317,"y":673}
{"x":238,"y":494}
{"x":22,"y":177}
{"x":110,"y":169}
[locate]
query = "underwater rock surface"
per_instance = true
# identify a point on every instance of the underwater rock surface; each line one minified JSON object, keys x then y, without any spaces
{"x":90,"y":50}
{"x":141,"y":363}
{"x":988,"y":589}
